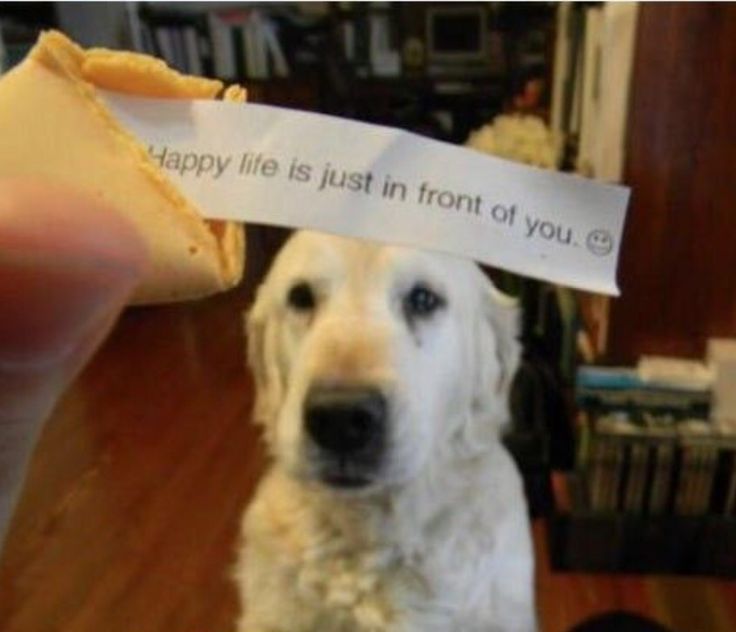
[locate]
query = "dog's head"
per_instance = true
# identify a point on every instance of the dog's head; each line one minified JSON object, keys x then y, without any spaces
{"x":371,"y":361}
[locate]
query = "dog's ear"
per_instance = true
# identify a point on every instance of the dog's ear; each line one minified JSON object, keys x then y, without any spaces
{"x":496,"y":354}
{"x":262,"y":334}
{"x":504,"y":315}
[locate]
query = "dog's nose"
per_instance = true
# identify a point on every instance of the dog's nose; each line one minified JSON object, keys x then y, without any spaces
{"x":345,"y":420}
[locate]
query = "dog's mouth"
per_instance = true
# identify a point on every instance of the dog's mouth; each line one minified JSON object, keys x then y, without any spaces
{"x":346,"y":481}
{"x":346,"y":474}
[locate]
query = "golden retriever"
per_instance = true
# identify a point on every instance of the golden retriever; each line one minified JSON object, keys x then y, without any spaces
{"x":382,"y":377}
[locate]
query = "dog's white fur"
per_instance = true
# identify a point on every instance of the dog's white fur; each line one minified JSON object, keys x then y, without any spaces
{"x":439,"y":542}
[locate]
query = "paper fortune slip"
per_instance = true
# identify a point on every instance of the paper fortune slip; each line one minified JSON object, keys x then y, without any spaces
{"x":269,"y":165}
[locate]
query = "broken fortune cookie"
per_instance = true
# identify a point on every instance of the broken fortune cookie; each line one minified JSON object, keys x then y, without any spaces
{"x":54,"y":126}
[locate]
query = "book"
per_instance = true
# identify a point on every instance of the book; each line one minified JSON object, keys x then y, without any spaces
{"x":662,"y":477}
{"x":721,"y":358}
{"x":646,"y":406}
{"x":192,"y":51}
{"x":595,"y":474}
{"x":705,"y":486}
{"x":385,"y":59}
{"x":686,"y":469}
{"x":637,"y":469}
{"x":674,"y":373}
{"x":275,"y":50}
{"x":729,"y":506}
{"x":256,"y":45}
{"x":223,"y":47}
{"x":348,"y":40}
{"x":165,"y":45}
{"x":723,"y":475}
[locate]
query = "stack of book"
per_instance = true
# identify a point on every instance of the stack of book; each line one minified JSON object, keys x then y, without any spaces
{"x":231,"y":44}
{"x":654,"y":490}
{"x":648,"y":446}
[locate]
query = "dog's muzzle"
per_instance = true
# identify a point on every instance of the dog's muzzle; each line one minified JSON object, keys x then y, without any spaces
{"x":347,"y":424}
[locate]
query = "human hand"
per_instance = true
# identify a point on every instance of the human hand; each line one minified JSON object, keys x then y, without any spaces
{"x":68,"y":265}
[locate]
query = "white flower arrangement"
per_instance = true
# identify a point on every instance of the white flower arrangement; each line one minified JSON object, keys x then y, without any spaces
{"x":518,"y":137}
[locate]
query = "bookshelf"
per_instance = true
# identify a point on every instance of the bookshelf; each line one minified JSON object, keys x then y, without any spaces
{"x":20,"y":24}
{"x":584,"y":540}
{"x":654,"y":487}
{"x":614,"y":512}
{"x":372,"y":61}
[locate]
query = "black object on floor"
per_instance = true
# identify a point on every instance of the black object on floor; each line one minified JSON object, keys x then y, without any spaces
{"x":619,"y":622}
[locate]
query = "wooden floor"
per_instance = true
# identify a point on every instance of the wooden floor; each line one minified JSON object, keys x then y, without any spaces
{"x":129,"y":518}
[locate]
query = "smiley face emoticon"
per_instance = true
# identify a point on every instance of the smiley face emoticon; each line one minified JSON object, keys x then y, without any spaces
{"x":599,"y":242}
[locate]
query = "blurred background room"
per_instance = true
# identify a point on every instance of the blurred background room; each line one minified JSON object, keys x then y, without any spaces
{"x":624,"y":409}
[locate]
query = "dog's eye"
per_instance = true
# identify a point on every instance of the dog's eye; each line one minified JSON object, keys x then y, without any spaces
{"x":301,"y":297}
{"x":421,"y":301}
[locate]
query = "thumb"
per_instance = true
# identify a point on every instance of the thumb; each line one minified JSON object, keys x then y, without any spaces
{"x":67,"y":267}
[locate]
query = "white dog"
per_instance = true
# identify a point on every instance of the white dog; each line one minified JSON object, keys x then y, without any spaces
{"x":382,"y":379}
